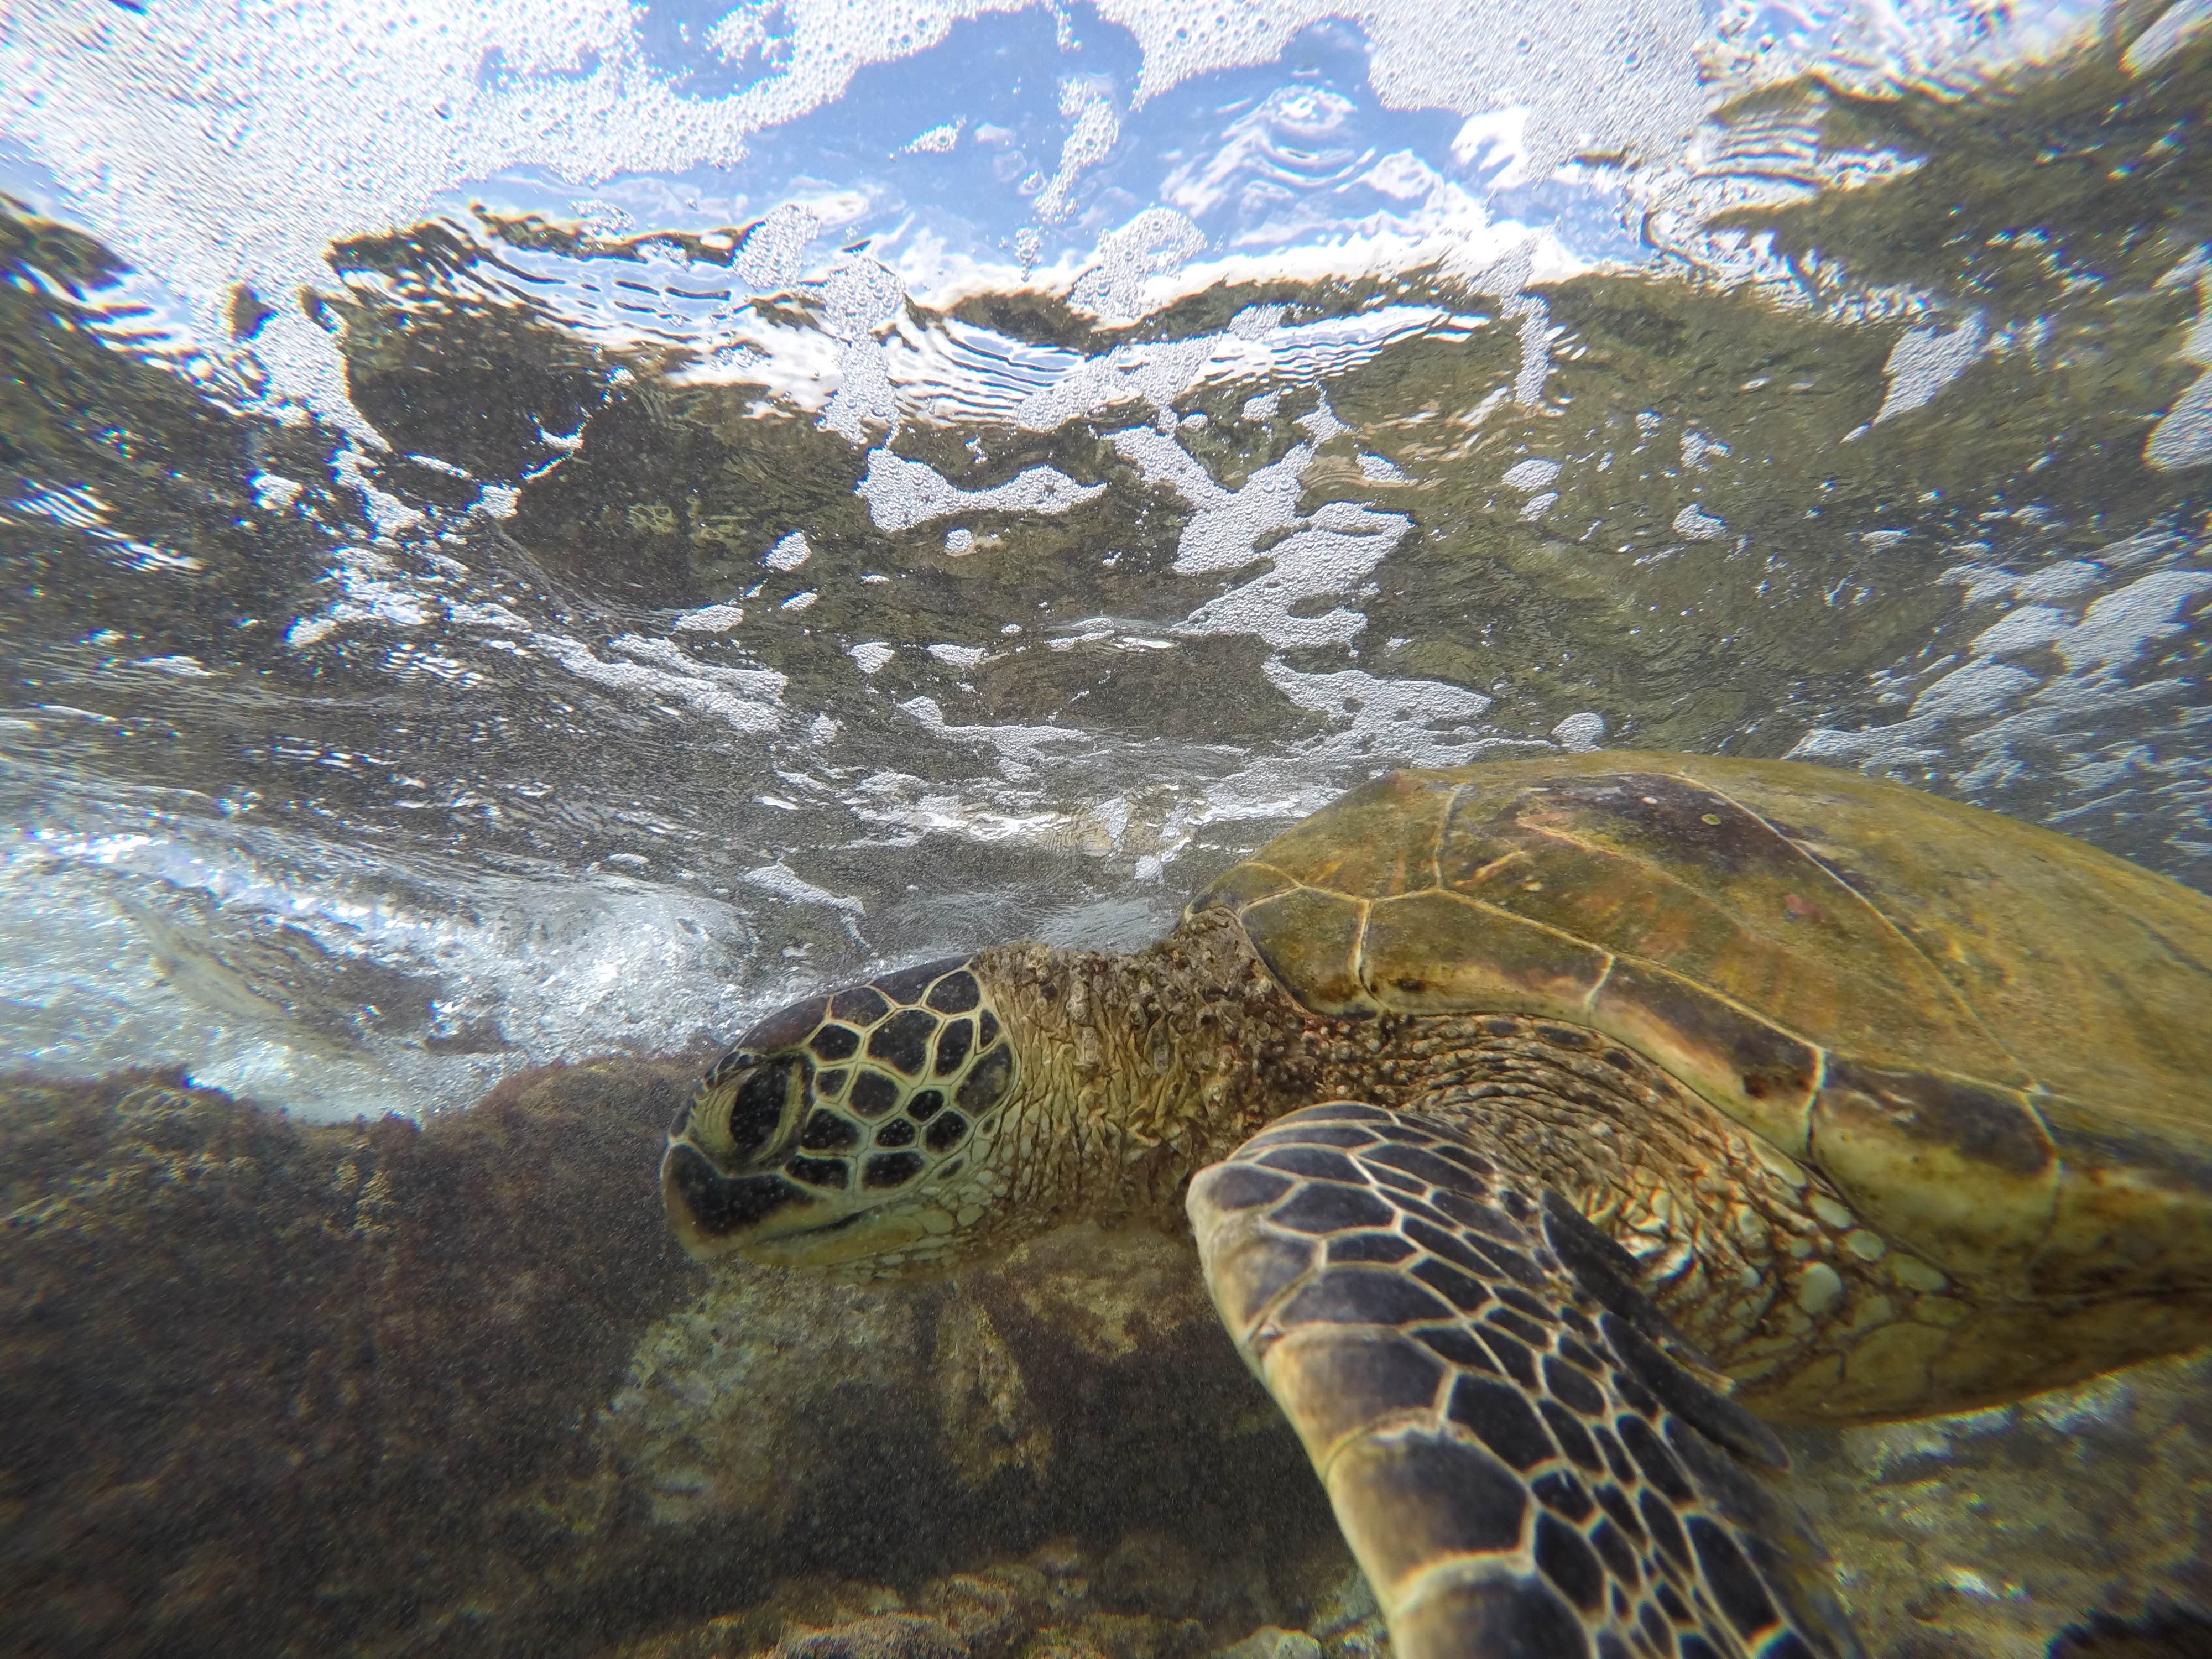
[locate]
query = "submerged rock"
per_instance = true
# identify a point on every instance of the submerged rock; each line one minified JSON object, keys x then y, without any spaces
{"x":1270,"y":1643}
{"x":270,"y":1388}
{"x":1079,"y":1384}
{"x":1992,"y":1532}
{"x":889,"y":1636}
{"x":275,"y":1388}
{"x":376,"y":1389}
{"x":1062,"y":1600}
{"x":2164,"y":1633}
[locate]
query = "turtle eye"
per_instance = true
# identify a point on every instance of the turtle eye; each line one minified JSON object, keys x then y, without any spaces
{"x":757,"y":1108}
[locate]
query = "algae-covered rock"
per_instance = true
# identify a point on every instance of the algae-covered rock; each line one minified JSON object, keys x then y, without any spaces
{"x":1268,"y":1641}
{"x":269,"y":1386}
{"x":1081,"y":1384}
{"x":1345,"y":1619}
{"x":2164,"y":1632}
{"x":887,"y":1636}
{"x":1987,"y":1535}
{"x":1063,"y":1599}
{"x":379,"y":1389}
{"x":798,"y":1608}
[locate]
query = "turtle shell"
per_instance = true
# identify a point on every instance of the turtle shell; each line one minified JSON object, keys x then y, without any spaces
{"x":1996,"y":1040}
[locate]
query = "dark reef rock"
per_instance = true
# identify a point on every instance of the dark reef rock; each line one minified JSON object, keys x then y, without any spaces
{"x":1987,"y":1535}
{"x":889,"y":1636}
{"x":1061,"y":1601}
{"x":377,"y":1389}
{"x":270,"y":1386}
{"x":2166,"y":1633}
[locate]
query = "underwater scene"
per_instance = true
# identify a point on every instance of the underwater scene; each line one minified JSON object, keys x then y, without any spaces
{"x":1157,"y":829}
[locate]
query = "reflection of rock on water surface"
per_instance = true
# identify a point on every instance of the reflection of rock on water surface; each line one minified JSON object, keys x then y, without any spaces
{"x":376,"y":1390}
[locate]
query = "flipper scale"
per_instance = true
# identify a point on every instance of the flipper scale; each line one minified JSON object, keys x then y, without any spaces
{"x":1526,"y":1460}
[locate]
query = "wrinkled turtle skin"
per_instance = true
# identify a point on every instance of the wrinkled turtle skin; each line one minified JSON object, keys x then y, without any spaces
{"x":1547,"y":1129}
{"x":1995,"y":1040}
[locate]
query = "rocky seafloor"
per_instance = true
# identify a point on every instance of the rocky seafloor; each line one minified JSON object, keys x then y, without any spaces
{"x":381,"y":1388}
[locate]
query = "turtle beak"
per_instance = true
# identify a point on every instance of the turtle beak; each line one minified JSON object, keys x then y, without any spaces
{"x":711,"y":1213}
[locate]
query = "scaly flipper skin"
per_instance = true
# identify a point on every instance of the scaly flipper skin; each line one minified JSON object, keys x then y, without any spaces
{"x":1524,"y":1458}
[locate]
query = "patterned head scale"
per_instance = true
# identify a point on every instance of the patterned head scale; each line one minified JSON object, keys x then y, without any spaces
{"x":846,"y":1128}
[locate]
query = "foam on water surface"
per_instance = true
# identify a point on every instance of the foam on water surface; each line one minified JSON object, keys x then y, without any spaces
{"x":222,"y":149}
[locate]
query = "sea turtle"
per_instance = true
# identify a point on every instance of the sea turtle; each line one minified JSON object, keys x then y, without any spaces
{"x":1545,"y":1125}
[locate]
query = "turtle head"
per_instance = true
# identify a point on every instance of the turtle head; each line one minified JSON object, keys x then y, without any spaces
{"x":849,"y":1128}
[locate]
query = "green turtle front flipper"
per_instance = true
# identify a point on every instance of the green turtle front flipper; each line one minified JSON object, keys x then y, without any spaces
{"x":1522,"y":1456}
